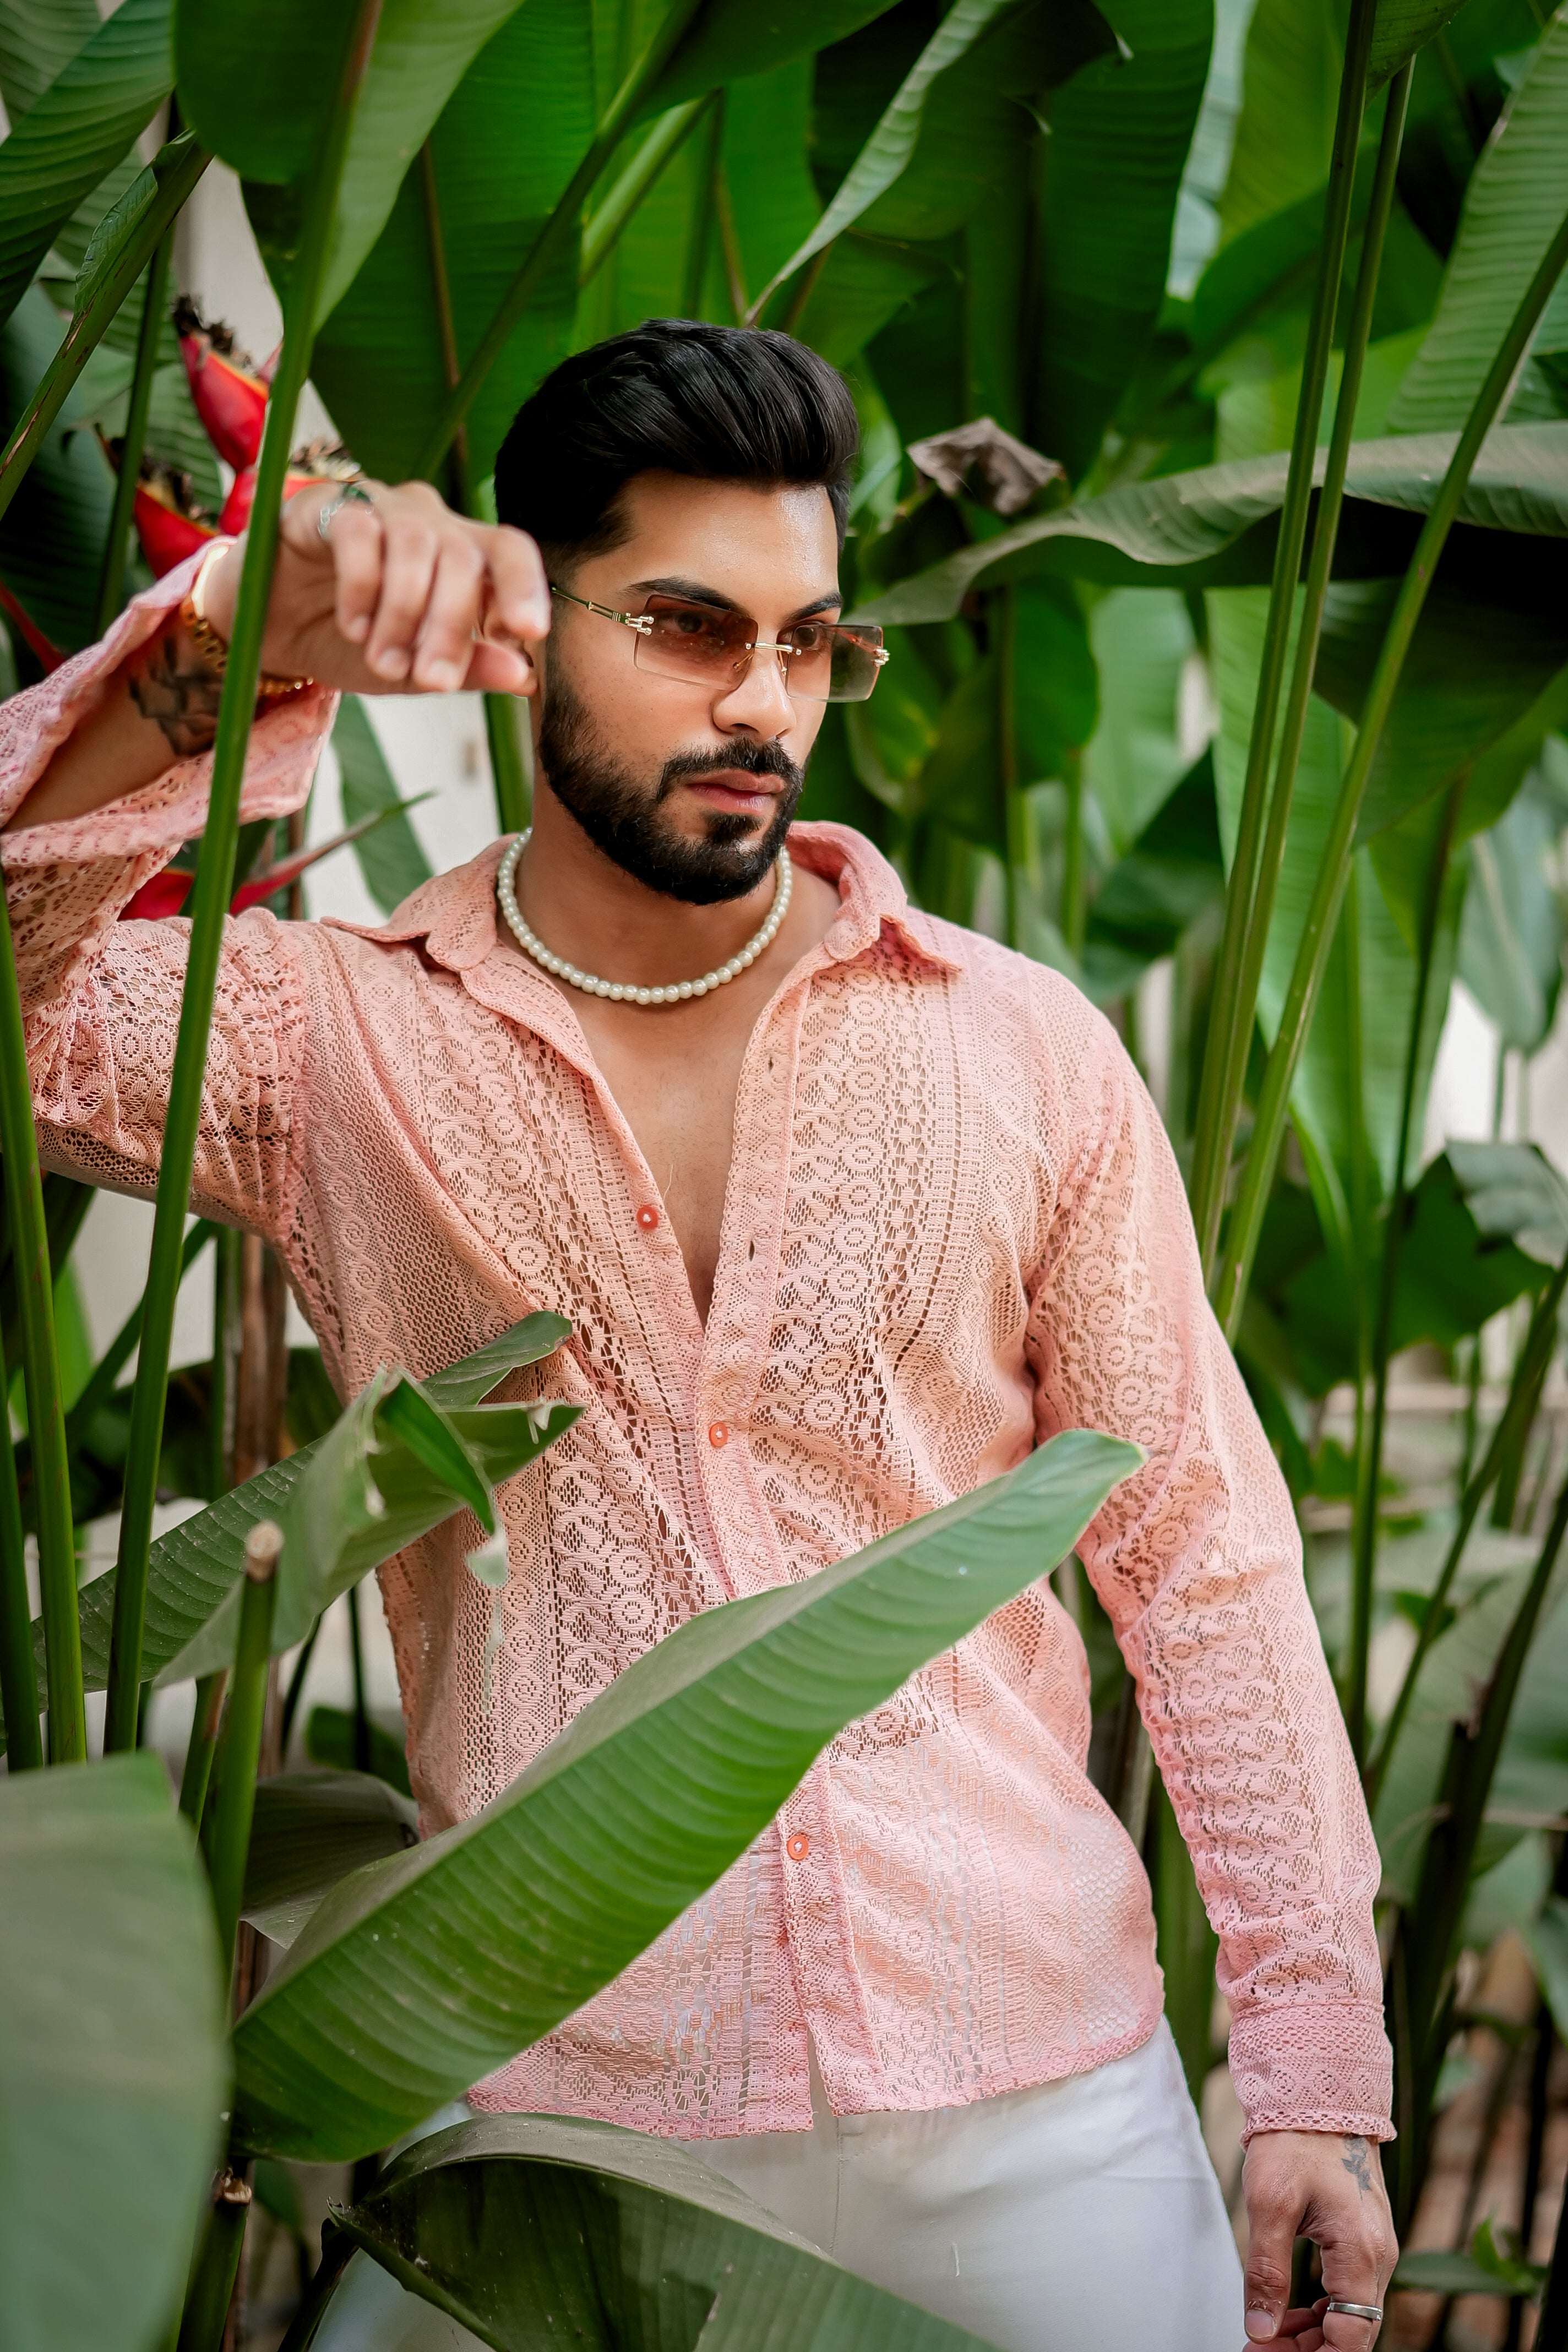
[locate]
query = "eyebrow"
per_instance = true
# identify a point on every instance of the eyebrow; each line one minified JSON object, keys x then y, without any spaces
{"x":694,"y":592}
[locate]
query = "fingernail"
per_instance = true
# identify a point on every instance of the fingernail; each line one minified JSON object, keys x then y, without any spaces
{"x":1260,"y":2326}
{"x":358,"y":628}
{"x":442,"y":674}
{"x":391,"y":662}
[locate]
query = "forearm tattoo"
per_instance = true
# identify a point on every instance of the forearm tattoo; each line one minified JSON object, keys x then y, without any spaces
{"x":176,"y":690}
{"x":1358,"y":2163}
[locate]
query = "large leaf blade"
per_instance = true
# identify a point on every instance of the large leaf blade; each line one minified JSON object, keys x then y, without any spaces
{"x":1213,"y":527}
{"x":111,"y":2058}
{"x":528,"y":2228}
{"x":1514,"y":204}
{"x":78,"y":130}
{"x":195,"y":1566}
{"x":420,"y":1974}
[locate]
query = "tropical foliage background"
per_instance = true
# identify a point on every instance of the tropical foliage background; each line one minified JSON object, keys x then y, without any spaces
{"x":1231,"y":661}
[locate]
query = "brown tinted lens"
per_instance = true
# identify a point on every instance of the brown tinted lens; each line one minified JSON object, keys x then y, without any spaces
{"x":833,"y":663}
{"x":692,"y":640}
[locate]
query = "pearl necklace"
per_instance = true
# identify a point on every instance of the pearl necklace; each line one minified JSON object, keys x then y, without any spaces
{"x":623,"y":992}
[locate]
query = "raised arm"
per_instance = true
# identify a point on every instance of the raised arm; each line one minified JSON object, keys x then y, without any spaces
{"x":1198,"y":1561}
{"x":392,"y":601}
{"x":104,"y":772}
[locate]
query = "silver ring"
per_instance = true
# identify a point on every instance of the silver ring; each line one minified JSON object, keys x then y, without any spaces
{"x":351,"y":494}
{"x":1356,"y":2310}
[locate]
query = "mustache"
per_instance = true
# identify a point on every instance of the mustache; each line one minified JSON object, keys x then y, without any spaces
{"x":750,"y":759}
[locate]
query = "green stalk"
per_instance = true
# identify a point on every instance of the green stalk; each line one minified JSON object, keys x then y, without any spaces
{"x":625,"y":107}
{"x":204,"y":2320}
{"x":362,"y":1740}
{"x":610,"y":218}
{"x":295,"y":1691}
{"x":1369,"y":1452}
{"x":41,"y":1371}
{"x":106,"y":1370}
{"x":1325,"y":535}
{"x":242,"y":1724}
{"x":508,"y":769}
{"x":202,"y":1743}
{"x":89,"y":324}
{"x":1524,"y":1395}
{"x":18,"y":1678}
{"x":209,"y":902}
{"x":1224,"y":1058}
{"x":1429,"y":1928}
{"x":111,"y":587}
{"x":1318,"y":931}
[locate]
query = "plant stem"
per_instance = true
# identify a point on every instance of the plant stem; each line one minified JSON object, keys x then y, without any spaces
{"x":210,"y":897}
{"x":204,"y":1721}
{"x":1318,"y":930}
{"x":204,"y":2320}
{"x":610,"y":218}
{"x":362,"y":1741}
{"x":1528,"y":1375}
{"x":40,"y":1365}
{"x":623,"y":111}
{"x":111,"y":587}
{"x":1238,"y":1036}
{"x":1369,"y":1453}
{"x":1225,"y":1057}
{"x":87,"y":328}
{"x":242,"y":1726}
{"x":18,"y":1676}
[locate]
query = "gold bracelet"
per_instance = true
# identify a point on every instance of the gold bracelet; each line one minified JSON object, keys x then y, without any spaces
{"x":212,"y":648}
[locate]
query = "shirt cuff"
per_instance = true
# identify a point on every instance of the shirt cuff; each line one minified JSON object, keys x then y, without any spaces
{"x":1322,"y":2066}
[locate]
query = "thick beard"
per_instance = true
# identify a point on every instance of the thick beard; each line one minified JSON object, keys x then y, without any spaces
{"x":621,"y":816}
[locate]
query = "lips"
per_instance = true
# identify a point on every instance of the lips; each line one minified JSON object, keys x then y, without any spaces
{"x":734,"y":790}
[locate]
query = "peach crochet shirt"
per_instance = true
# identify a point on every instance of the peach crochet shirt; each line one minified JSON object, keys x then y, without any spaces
{"x":954,"y":1226}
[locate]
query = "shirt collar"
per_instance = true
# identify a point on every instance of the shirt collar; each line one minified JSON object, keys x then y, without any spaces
{"x":455,"y":915}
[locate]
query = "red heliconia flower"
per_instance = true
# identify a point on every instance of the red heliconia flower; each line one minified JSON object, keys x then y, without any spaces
{"x":320,"y":462}
{"x":49,"y":656}
{"x":228,"y":388}
{"x":167,"y":530}
{"x":166,"y":892}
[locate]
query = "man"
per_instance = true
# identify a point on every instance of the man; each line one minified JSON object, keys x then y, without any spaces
{"x":848,"y":1208}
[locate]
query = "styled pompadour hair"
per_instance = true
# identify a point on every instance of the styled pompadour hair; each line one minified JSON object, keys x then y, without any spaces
{"x":719,"y":404}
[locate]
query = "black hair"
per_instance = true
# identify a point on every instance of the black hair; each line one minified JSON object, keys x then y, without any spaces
{"x":719,"y":404}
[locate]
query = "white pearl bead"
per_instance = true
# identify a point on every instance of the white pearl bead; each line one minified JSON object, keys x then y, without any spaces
{"x":685,"y":988}
{"x":644,"y":996}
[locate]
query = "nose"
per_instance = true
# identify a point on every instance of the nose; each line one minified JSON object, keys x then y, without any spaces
{"x":758,"y":704}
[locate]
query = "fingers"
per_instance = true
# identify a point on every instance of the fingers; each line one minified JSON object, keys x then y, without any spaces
{"x":1273,"y":2215}
{"x":434,"y":601}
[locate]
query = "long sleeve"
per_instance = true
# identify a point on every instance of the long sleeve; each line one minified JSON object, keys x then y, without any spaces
{"x":102,"y":997}
{"x":1198,"y":1562}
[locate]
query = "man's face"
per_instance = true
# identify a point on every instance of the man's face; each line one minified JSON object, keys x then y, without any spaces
{"x":689,"y":785}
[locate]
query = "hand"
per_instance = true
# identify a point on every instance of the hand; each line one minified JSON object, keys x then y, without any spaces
{"x":400,"y":598}
{"x":1329,"y":2187}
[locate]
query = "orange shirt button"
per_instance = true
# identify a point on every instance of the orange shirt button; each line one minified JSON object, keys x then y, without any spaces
{"x":720,"y":1433}
{"x":798,"y":1847}
{"x":648,"y":1217}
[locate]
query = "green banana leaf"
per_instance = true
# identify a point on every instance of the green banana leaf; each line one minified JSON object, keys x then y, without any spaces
{"x":1290,"y":84}
{"x":1106,"y":228}
{"x":390,"y":858}
{"x":195,"y":1566}
{"x":112,"y":2055}
{"x":892,"y":144}
{"x":1511,"y":937}
{"x":394,"y":1465}
{"x":330,"y":1739}
{"x":52,"y":534}
{"x":76,"y":131}
{"x":1513,"y":206}
{"x":38,"y":38}
{"x":528,"y":2229}
{"x":504,"y":1925}
{"x":1215,"y":527}
{"x":501,"y":155}
{"x":1402,"y":27}
{"x":729,"y":40}
{"x":311,"y":1829}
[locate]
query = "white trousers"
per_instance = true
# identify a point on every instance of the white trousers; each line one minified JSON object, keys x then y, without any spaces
{"x":1081,"y":2216}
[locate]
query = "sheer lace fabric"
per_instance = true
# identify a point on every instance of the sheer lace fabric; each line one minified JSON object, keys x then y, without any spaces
{"x":954,"y":1226}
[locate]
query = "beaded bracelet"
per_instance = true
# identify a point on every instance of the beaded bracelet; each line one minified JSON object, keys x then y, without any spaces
{"x":213,"y":649}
